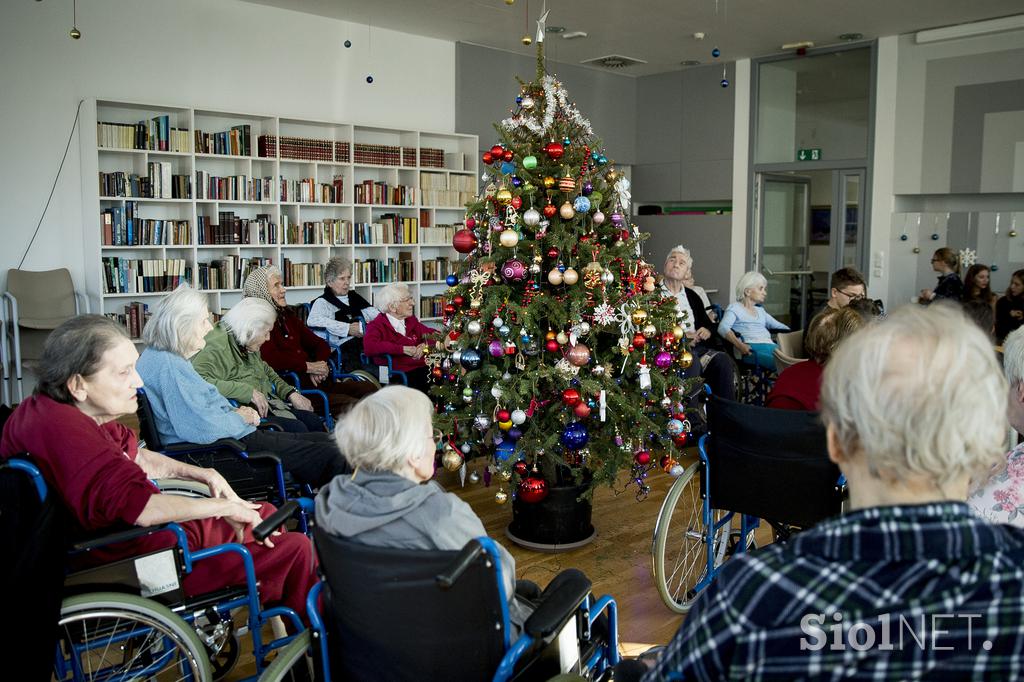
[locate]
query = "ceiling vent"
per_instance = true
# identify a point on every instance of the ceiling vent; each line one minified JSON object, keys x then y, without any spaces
{"x":613,"y":61}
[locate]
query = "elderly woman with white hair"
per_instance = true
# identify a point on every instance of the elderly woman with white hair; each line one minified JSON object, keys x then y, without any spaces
{"x":340,"y":312}
{"x":747,"y":317}
{"x":231,"y":361}
{"x":914,"y":407}
{"x":293,"y":347}
{"x":187,"y":409}
{"x":398,"y":334}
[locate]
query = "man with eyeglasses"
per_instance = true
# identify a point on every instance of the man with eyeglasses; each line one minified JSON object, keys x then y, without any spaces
{"x":847,"y":285}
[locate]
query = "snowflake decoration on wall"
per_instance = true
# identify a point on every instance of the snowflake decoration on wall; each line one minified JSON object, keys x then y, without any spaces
{"x":968,"y":257}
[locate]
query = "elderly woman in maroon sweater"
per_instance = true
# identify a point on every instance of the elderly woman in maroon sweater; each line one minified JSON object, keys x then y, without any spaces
{"x":87,"y":380}
{"x":398,"y":334}
{"x":292,"y":346}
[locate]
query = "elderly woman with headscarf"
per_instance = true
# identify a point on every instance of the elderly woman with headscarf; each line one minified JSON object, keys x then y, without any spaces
{"x":87,"y":381}
{"x":340,"y":312}
{"x":231,"y":362}
{"x":293,"y":347}
{"x":398,"y":334}
{"x":187,"y":409}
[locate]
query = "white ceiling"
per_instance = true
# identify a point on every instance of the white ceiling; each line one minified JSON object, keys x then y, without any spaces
{"x":657,"y":31}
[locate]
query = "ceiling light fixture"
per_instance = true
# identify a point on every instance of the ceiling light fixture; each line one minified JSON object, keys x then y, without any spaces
{"x":690,"y":62}
{"x":572,"y":35}
{"x":802,"y":44}
{"x":851,"y":36}
{"x":555,"y":29}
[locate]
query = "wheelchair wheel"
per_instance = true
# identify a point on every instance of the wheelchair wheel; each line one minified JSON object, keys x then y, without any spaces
{"x":363,"y":375}
{"x":290,"y":664}
{"x":107,"y":635}
{"x":679,"y":552}
{"x":178,"y":486}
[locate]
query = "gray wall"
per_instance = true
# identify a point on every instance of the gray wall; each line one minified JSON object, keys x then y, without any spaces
{"x":709,"y":239}
{"x":684,"y":136}
{"x":486,"y":88}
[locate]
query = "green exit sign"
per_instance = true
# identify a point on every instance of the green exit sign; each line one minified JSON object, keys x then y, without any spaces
{"x":808,"y":154}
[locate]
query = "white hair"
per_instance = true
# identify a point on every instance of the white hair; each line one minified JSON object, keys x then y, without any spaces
{"x":248,"y":319}
{"x":749,"y":280}
{"x":918,"y":394}
{"x":1013,"y":356}
{"x":271,"y":271}
{"x":681,"y":250}
{"x":335,"y":268}
{"x":387,"y":297}
{"x":383,"y":429}
{"x":175,"y":321}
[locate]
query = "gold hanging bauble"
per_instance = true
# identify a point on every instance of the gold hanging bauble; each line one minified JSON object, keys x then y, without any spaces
{"x":685,"y":358}
{"x":504,"y":196}
{"x":451,"y":459}
{"x":501,"y":497}
{"x":549,"y":182}
{"x":639,"y":316}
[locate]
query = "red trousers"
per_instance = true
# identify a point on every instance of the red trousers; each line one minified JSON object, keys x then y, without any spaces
{"x":286,"y":573}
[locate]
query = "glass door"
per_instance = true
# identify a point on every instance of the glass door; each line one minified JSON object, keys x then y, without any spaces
{"x":848,"y":209}
{"x":781,"y":249}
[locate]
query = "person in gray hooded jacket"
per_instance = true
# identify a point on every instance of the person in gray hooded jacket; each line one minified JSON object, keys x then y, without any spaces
{"x":390,"y":500}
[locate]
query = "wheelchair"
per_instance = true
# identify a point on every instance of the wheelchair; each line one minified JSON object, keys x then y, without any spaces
{"x":439,"y":615}
{"x":124,"y":620}
{"x":336,"y":362}
{"x":754,"y":463}
{"x":754,"y":380}
{"x":385,"y":369}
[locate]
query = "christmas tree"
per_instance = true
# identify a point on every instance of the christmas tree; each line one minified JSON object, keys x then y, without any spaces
{"x":561,"y":358}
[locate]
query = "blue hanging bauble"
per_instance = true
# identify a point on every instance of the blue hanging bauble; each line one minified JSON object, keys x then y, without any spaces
{"x":515,"y":433}
{"x":716,"y":53}
{"x":519,"y":100}
{"x":470,"y":359}
{"x":674,"y":427}
{"x":517,"y":181}
{"x":451,"y":280}
{"x":566,"y":142}
{"x":725,"y":82}
{"x":582,"y":204}
{"x":507,"y":168}
{"x":994,"y":267}
{"x":574,"y":436}
{"x":504,"y":451}
{"x":595,"y":155}
{"x":602,"y":159}
{"x":904,"y":237}
{"x":935,"y":237}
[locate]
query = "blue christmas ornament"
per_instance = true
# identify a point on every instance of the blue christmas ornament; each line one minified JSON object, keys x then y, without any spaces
{"x":517,"y":181}
{"x":716,"y":53}
{"x":451,"y":280}
{"x":725,"y":82}
{"x":504,"y":330}
{"x":369,"y":79}
{"x":507,"y":168}
{"x":566,"y":142}
{"x":994,"y":267}
{"x":504,"y":451}
{"x":602,"y":159}
{"x":594,"y":156}
{"x":582,"y":204}
{"x":348,"y":43}
{"x":935,"y":237}
{"x":903,"y":237}
{"x":574,"y":436}
{"x":515,"y":433}
{"x":519,"y":100}
{"x":561,"y":267}
{"x":674,"y":427}
{"x":471,"y":359}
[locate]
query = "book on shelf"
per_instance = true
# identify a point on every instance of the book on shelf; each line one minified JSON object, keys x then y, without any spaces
{"x":228,"y":272}
{"x":232,"y":229}
{"x":431,"y":157}
{"x":441,"y":189}
{"x":233,"y":187}
{"x":302,"y":274}
{"x":133,"y":319}
{"x":438,"y":235}
{"x":436,"y":269}
{"x":302,"y":148}
{"x":377,"y":154}
{"x":383,"y":270}
{"x":327,"y":232}
{"x":122,"y":227}
{"x":307,"y":190}
{"x":155,"y":134}
{"x":431,"y":306}
{"x":158,"y":183}
{"x":381,"y":193}
{"x":143,"y":275}
{"x":234,"y":142}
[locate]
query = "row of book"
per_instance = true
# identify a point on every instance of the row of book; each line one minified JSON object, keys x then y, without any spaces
{"x":307,"y":190}
{"x":233,"y":187}
{"x":302,"y":149}
{"x":234,"y":142}
{"x":159,"y":183}
{"x":439,"y":181}
{"x":440,"y":234}
{"x":381,"y":193}
{"x":436,"y":269}
{"x":143,"y":275}
{"x":155,"y":134}
{"x":228,"y":272}
{"x":391,"y":228}
{"x":133,"y":319}
{"x":121,"y":226}
{"x":302,"y":274}
{"x":232,"y":229}
{"x":380,"y":270}
{"x":320,"y":232}
{"x":431,"y":306}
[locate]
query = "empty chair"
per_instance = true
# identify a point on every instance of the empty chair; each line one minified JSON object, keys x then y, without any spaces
{"x":792,"y":345}
{"x":35,"y":304}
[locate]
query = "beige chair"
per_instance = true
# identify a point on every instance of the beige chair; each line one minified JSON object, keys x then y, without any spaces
{"x":792,"y":344}
{"x":35,"y":304}
{"x":782,"y":360}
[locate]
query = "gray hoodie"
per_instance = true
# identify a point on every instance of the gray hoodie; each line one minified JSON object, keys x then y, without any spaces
{"x":383,"y":509}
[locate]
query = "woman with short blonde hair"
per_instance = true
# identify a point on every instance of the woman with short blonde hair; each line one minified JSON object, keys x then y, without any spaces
{"x":399,"y":335}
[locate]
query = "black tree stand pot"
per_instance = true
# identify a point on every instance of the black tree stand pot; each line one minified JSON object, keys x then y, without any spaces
{"x":558,"y":523}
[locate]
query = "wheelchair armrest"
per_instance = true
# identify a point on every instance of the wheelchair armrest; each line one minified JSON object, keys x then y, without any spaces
{"x":115,"y":538}
{"x":558,"y":605}
{"x":283,"y":513}
{"x":232,"y":444}
{"x":467,"y":556}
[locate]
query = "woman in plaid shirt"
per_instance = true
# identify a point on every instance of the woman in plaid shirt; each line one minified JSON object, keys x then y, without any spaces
{"x":908,"y":583}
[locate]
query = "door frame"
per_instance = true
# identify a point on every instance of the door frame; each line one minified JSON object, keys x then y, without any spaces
{"x":758,"y":258}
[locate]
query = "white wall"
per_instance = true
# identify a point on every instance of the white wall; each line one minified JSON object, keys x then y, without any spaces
{"x":227,"y":55}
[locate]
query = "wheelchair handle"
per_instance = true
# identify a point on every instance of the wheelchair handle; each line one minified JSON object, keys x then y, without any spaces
{"x":275,"y":520}
{"x":447,"y":578}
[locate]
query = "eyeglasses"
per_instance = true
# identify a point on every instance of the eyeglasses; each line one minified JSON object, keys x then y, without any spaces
{"x":852,"y":297}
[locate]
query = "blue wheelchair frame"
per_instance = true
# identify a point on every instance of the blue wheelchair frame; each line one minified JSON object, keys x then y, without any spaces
{"x":293,"y":378}
{"x":513,"y":651}
{"x":257,"y":616}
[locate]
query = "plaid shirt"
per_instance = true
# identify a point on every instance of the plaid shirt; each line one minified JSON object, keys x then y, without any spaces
{"x":926,"y":591}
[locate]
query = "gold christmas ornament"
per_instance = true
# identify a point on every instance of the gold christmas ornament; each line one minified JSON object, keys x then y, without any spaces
{"x":650,"y":330}
{"x":504,"y":196}
{"x":567,"y":211}
{"x":555,"y":276}
{"x":570,"y":276}
{"x":611,"y":176}
{"x":501,"y":497}
{"x":678,"y":332}
{"x":509,"y":238}
{"x":549,"y":182}
{"x":562,"y":338}
{"x":527,"y":40}
{"x":567,"y":185}
{"x":451,"y":460}
{"x":506,"y":475}
{"x":639,"y":316}
{"x":685,"y":359}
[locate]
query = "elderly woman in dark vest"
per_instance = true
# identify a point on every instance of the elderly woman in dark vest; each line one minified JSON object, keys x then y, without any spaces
{"x":292,"y":346}
{"x":341,"y":313}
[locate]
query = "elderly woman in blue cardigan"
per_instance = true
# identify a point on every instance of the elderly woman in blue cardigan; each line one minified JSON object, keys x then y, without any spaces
{"x":187,"y":409}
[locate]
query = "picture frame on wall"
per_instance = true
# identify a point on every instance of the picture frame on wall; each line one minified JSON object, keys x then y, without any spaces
{"x":821,"y":224}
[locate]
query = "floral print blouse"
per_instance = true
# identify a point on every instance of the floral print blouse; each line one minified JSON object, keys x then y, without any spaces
{"x":1001,"y":499}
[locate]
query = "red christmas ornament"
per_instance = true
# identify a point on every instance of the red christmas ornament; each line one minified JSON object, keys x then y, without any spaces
{"x":487,"y":157}
{"x":553,"y":253}
{"x":551,"y":346}
{"x":570,"y":397}
{"x":517,"y":202}
{"x":497,"y":151}
{"x":436,"y":373}
{"x":507,"y":155}
{"x":458,"y":300}
{"x":533,"y":489}
{"x":643,"y":458}
{"x":503,"y":415}
{"x":471,"y":223}
{"x":520,"y":467}
{"x":639,"y":340}
{"x":663,"y":461}
{"x":681,"y":440}
{"x":454,"y":334}
{"x":554,"y":150}
{"x":549,"y":210}
{"x":464,"y":241}
{"x":582,"y":410}
{"x":449,"y":309}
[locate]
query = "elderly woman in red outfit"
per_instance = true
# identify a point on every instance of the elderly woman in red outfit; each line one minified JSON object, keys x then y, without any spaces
{"x":398,"y":334}
{"x":292,"y":346}
{"x":87,"y":380}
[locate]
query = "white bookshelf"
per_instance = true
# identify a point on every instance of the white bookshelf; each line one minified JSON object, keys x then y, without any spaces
{"x":461,"y":161}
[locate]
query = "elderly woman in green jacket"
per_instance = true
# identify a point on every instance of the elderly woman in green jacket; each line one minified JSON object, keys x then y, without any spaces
{"x":231,"y":361}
